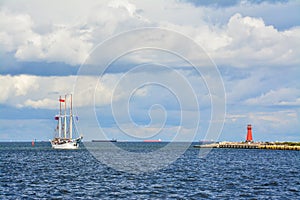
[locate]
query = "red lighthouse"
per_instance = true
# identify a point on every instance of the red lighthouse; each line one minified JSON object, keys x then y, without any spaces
{"x":249,"y":133}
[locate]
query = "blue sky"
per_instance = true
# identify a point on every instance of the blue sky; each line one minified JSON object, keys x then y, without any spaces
{"x":46,"y":47}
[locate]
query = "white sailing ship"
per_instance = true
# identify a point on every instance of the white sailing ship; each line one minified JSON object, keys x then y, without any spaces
{"x":65,"y":130}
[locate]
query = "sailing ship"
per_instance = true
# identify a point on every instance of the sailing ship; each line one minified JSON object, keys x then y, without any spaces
{"x":65,"y":130}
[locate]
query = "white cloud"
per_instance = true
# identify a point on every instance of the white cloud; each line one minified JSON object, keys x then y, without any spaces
{"x":130,"y":8}
{"x":281,"y":14}
{"x":35,"y":33}
{"x":282,"y":96}
{"x":234,"y":117}
{"x":37,"y":91}
{"x":240,"y":41}
{"x":281,"y":122}
{"x":15,"y":29}
{"x":43,"y":92}
{"x":254,"y":43}
{"x":62,"y":44}
{"x":16,"y":86}
{"x":41,"y":103}
{"x":169,"y":88}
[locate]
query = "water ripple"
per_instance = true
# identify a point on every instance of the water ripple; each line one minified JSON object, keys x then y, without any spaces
{"x":43,"y":173}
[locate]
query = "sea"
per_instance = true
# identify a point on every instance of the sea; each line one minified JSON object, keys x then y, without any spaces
{"x":39,"y":172}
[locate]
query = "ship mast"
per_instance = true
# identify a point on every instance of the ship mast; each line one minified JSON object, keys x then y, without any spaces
{"x":65,"y":118}
{"x":59,"y":118}
{"x":71,"y":116}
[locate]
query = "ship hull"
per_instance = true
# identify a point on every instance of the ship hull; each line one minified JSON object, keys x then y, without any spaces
{"x":69,"y":145}
{"x":104,"y":140}
{"x":65,"y":144}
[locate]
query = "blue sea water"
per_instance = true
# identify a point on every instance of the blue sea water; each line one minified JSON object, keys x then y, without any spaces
{"x":40,"y":172}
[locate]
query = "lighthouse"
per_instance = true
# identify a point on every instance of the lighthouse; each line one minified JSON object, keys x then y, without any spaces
{"x":249,"y":133}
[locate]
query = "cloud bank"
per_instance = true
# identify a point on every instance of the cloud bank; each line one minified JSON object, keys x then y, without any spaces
{"x":70,"y":36}
{"x":254,"y":45}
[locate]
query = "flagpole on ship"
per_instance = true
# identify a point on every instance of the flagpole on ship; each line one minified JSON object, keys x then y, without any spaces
{"x":71,"y":118}
{"x":65,"y":118}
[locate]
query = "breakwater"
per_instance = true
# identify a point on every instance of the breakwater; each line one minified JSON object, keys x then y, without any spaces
{"x":243,"y":145}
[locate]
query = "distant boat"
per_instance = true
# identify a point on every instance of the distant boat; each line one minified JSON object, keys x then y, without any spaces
{"x":113,"y":140}
{"x":64,"y":132}
{"x":159,"y":140}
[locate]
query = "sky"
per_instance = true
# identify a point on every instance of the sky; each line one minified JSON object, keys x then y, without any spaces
{"x":170,"y":70}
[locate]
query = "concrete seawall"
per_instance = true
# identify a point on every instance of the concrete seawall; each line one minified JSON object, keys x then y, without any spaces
{"x":279,"y":147}
{"x":241,"y":145}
